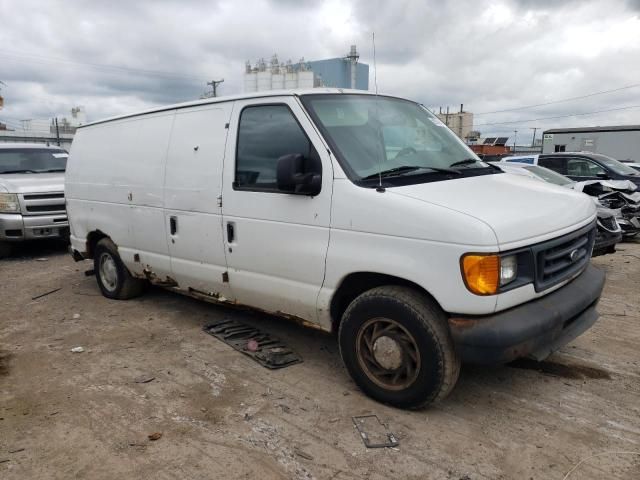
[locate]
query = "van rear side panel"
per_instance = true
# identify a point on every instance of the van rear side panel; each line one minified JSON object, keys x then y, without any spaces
{"x":114,"y":184}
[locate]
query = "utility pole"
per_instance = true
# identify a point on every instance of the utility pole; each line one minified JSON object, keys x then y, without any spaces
{"x":533,"y":140}
{"x":515,"y":137}
{"x":214,"y":88}
{"x":57,"y":132}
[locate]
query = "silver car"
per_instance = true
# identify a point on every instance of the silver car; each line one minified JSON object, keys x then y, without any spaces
{"x":32,"y":204}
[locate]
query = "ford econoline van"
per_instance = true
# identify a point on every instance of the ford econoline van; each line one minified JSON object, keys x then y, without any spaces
{"x":361,"y":214}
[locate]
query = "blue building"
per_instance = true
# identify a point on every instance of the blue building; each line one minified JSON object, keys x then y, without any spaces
{"x":344,"y":72}
{"x":336,"y":72}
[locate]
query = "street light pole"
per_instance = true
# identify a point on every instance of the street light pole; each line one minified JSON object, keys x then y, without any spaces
{"x":515,"y":137}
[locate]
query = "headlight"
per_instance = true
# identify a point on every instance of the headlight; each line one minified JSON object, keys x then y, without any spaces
{"x":508,"y":269}
{"x":484,"y":274}
{"x":9,"y":203}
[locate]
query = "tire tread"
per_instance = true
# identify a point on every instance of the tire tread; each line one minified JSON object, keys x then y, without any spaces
{"x":423,"y":308}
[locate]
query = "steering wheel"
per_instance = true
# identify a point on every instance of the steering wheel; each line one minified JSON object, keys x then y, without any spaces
{"x":406,"y":151}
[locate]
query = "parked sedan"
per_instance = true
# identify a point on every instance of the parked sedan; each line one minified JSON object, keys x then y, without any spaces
{"x":609,"y":232}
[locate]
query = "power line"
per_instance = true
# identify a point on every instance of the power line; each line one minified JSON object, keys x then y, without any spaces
{"x":560,"y":116}
{"x":39,"y":58}
{"x":552,"y":102}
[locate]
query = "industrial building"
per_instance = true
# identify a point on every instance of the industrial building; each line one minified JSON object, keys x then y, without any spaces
{"x":343,"y":72}
{"x":56,"y":131}
{"x":621,"y":142}
{"x":460,"y":122}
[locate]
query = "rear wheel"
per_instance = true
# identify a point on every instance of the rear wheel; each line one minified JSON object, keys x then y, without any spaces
{"x":396,"y":345}
{"x":114,"y":279}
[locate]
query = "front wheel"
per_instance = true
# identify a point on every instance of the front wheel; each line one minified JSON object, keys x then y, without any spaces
{"x":396,"y":345}
{"x":114,"y":279}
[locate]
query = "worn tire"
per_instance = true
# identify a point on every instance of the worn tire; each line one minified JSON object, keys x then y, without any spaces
{"x":5,"y":249}
{"x":118,"y":284}
{"x":436,"y":366}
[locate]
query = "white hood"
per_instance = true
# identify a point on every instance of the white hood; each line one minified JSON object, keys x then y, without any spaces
{"x":32,"y":182}
{"x":516,"y":208}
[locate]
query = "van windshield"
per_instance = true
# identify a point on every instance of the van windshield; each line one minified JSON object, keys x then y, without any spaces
{"x":376,"y":137}
{"x":32,"y":160}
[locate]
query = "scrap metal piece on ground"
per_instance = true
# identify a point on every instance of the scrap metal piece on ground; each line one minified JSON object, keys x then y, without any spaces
{"x":265,"y":349}
{"x":46,"y":293}
{"x":373,"y":432}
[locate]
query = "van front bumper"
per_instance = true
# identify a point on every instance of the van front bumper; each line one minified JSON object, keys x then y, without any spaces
{"x":534,"y":329}
{"x":15,"y":227}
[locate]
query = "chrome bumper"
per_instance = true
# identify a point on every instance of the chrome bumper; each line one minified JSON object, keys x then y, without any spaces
{"x":17,"y":228}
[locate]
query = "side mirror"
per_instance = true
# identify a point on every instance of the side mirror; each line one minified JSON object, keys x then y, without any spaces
{"x":602,"y":175}
{"x":299,"y":175}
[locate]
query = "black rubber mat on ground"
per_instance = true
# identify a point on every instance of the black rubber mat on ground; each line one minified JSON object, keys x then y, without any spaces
{"x":265,"y":349}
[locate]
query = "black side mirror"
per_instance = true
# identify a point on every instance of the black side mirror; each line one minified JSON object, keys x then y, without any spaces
{"x":602,"y":175}
{"x":299,"y":175}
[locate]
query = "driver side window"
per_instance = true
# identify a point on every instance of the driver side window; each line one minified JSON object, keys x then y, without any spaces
{"x":266,"y":133}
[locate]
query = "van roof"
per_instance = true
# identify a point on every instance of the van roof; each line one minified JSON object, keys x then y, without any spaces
{"x":231,"y":98}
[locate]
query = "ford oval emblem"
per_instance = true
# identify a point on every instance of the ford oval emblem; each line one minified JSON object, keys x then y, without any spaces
{"x":573,"y":256}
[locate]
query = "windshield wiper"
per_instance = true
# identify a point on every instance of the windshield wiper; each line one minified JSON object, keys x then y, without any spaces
{"x":392,"y":172}
{"x":52,"y":170}
{"x":466,"y":161}
{"x":19,"y":171}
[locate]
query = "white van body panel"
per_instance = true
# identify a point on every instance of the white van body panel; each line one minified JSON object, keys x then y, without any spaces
{"x":277,"y":259}
{"x":118,"y":188}
{"x":479,"y":196}
{"x":192,"y":187}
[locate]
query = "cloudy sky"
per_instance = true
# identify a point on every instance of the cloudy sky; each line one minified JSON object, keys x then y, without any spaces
{"x":121,"y":56}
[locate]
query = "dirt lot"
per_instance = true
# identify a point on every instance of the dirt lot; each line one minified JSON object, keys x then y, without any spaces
{"x":83,"y":415}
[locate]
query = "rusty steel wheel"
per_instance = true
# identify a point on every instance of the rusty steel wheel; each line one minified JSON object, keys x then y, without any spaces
{"x":388,"y":354}
{"x":396,"y":344}
{"x":113,"y":277}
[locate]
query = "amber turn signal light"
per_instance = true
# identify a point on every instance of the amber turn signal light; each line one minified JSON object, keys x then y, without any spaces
{"x":481,"y":273}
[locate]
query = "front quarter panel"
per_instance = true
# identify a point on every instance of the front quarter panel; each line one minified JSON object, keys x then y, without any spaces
{"x":407,"y":238}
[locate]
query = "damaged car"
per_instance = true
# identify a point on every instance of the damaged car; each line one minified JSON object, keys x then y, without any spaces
{"x":609,"y":232}
{"x":621,"y":197}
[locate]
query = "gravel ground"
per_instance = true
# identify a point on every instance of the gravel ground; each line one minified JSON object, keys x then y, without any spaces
{"x":221,"y":415}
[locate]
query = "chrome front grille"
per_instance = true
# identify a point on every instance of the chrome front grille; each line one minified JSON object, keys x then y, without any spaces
{"x":41,"y":203}
{"x":562,"y":258}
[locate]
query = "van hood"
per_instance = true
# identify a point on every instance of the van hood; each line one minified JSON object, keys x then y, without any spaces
{"x":515,"y":207}
{"x":31,"y":182}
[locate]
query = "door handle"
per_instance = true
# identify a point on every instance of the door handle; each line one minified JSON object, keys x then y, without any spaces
{"x":231,"y":233}
{"x":173,"y":225}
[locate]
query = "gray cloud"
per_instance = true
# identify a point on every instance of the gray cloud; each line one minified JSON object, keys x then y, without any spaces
{"x":121,"y":56}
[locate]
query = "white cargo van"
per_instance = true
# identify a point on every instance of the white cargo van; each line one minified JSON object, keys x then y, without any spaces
{"x":361,"y":214}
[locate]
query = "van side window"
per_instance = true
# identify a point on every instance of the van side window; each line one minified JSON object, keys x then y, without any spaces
{"x":265,"y":134}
